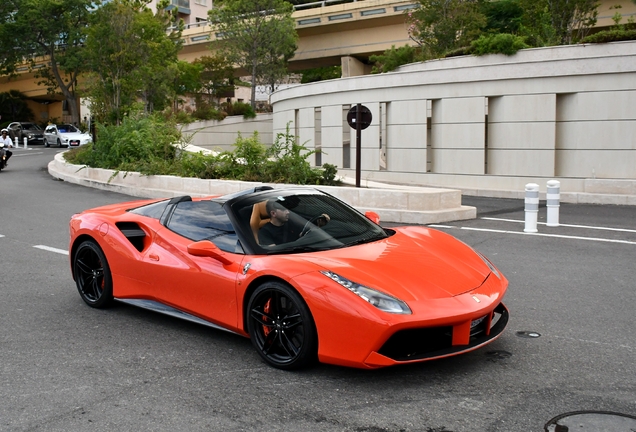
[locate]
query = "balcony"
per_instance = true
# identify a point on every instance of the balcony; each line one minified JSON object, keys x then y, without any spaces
{"x":183,"y":6}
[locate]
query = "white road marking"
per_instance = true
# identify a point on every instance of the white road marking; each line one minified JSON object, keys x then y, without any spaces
{"x":24,"y":154}
{"x":51,"y":249}
{"x":538,"y":234}
{"x":565,"y":225}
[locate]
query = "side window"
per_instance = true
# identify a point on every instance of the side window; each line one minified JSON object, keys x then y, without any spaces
{"x":205,"y":220}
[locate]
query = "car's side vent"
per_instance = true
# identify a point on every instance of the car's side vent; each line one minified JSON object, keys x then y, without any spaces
{"x":133,"y":233}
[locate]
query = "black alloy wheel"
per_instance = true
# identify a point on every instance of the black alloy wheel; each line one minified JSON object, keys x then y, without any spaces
{"x":281,"y":327}
{"x":92,"y":275}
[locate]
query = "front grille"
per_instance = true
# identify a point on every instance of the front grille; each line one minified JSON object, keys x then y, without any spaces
{"x":415,"y":343}
{"x":423,"y":343}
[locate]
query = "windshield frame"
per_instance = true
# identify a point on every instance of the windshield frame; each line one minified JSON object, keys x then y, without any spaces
{"x":344,"y":216}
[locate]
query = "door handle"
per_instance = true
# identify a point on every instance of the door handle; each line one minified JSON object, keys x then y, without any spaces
{"x":153,"y":257}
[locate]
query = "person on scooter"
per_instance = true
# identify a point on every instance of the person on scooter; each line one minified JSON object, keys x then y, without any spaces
{"x":5,"y":144}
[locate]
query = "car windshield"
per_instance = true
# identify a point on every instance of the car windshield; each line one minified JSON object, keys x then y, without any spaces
{"x":302,"y":222}
{"x":31,"y":126}
{"x":66,"y":128}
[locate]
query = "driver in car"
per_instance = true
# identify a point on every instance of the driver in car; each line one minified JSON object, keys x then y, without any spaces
{"x":279,"y":230}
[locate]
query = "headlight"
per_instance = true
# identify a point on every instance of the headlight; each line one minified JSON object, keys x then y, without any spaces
{"x":380,"y":300}
{"x":490,"y":265}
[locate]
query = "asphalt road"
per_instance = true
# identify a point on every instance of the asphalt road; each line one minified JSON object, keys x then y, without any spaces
{"x":67,"y":367}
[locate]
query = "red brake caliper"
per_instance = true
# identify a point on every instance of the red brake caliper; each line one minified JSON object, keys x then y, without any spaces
{"x":266,"y":329}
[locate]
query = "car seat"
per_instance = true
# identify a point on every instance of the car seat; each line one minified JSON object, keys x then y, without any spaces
{"x":259,"y":218}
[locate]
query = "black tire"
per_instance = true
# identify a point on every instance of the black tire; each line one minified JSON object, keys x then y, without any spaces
{"x":46,"y":143}
{"x":281,"y":327}
{"x":92,"y":275}
{"x":59,"y":143}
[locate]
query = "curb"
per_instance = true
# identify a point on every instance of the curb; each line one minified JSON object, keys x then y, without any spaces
{"x":400,"y":204}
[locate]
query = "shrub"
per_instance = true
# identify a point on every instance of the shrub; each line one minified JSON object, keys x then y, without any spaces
{"x":140,"y":143}
{"x":499,"y":43}
{"x":239,"y":108}
{"x":614,"y":35}
{"x":393,"y":58}
{"x":145,"y":145}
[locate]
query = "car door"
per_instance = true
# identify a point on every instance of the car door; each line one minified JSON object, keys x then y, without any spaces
{"x":49,"y":135}
{"x":202,"y":286}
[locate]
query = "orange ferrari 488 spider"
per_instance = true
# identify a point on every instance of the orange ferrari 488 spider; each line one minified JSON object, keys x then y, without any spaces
{"x":305,"y":276}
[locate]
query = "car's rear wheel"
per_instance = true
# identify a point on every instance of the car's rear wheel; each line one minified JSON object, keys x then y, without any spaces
{"x":281,"y":326}
{"x":92,"y":275}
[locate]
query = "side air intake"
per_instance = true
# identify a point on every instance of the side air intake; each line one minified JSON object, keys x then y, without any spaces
{"x":133,"y":233}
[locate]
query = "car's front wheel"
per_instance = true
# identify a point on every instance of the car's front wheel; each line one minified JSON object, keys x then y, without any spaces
{"x":46,"y":143}
{"x":92,"y":275}
{"x":281,"y":326}
{"x":59,"y":143}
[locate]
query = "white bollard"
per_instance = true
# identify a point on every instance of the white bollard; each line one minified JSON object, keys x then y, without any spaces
{"x":17,"y":142}
{"x":531,"y":207}
{"x":25,"y":142}
{"x":553,"y":197}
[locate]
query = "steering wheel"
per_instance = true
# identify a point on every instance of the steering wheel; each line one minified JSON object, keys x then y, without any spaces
{"x":308,"y":225}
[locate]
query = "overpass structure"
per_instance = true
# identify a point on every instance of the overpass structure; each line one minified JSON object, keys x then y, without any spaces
{"x":331,"y":32}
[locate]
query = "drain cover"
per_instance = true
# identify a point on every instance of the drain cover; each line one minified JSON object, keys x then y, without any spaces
{"x":592,"y":421}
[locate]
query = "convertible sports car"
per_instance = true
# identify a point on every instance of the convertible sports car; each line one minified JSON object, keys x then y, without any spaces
{"x":336,"y":287}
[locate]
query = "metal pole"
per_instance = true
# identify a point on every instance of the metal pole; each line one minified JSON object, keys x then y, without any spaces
{"x":553,"y":198}
{"x":531,"y":207}
{"x":358,"y":143}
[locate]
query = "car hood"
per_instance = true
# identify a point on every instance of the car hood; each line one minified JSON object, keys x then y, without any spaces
{"x":414,"y":264}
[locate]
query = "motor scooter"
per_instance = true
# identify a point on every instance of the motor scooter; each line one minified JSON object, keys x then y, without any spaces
{"x":3,"y":159}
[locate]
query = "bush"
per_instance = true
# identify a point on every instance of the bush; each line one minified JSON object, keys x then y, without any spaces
{"x":499,"y":43}
{"x":239,"y":108}
{"x":145,"y":145}
{"x":141,"y":143}
{"x":614,"y":35}
{"x":393,"y":58}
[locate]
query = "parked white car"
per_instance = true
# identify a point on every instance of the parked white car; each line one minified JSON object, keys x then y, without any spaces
{"x":65,"y":135}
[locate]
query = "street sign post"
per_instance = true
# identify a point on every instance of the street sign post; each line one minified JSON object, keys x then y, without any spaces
{"x":359,"y":117}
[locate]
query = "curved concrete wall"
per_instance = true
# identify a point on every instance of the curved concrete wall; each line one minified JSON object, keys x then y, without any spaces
{"x":221,"y":135}
{"x":487,"y":125}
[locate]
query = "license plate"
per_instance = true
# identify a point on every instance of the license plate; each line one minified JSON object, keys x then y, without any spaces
{"x":74,"y":143}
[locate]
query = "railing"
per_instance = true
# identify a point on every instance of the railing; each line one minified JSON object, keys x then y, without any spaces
{"x":322,"y":4}
{"x":311,"y":5}
{"x":181,"y":3}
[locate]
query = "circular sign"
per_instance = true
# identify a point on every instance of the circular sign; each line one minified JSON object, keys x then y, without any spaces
{"x":365,"y":117}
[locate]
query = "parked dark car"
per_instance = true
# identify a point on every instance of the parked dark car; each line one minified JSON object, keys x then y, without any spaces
{"x":33,"y":132}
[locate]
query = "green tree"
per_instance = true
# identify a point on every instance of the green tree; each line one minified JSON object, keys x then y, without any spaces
{"x":558,"y":22}
{"x":131,"y":57}
{"x":217,"y":76}
{"x":258,"y":36}
{"x":13,"y":107}
{"x":503,"y":16}
{"x":53,"y":29}
{"x":440,"y":26}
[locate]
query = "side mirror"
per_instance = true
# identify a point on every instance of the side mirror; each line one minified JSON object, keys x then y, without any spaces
{"x":206,"y":248}
{"x":373,"y":217}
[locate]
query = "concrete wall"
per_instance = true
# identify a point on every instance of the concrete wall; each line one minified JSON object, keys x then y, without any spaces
{"x":484,"y":123}
{"x":221,"y":135}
